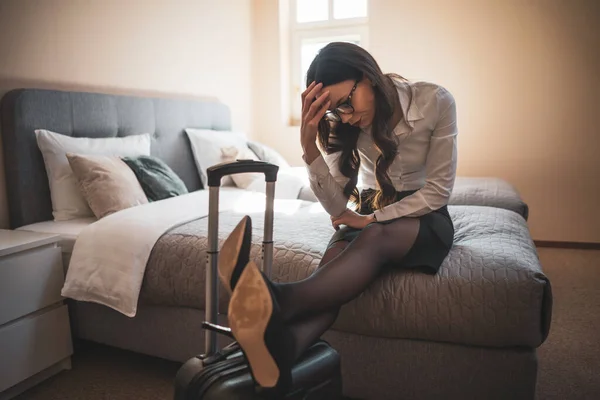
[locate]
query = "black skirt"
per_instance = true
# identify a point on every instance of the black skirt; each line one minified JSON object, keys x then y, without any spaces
{"x":433,"y":242}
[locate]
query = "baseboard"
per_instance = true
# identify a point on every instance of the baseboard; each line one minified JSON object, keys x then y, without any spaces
{"x":36,"y":379}
{"x":568,"y":245}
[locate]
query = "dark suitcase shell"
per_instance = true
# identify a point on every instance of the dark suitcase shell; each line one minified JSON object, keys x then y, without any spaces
{"x":316,"y":376}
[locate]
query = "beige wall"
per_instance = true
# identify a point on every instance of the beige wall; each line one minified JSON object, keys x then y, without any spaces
{"x":524,"y":74}
{"x":526,"y":78}
{"x":191,"y":48}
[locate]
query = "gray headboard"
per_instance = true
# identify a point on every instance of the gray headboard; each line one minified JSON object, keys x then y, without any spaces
{"x":82,"y":114}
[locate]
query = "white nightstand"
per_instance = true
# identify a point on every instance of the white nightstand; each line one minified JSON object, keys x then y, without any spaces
{"x":35,"y":335}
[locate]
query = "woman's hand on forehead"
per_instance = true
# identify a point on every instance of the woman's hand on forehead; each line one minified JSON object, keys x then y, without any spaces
{"x":332,"y":96}
{"x":338,"y":92}
{"x":320,"y":92}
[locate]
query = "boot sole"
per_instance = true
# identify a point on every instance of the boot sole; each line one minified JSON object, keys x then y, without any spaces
{"x":250,"y":310}
{"x":229,"y":253}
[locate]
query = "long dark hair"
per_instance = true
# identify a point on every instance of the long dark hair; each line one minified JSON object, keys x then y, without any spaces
{"x":341,"y":61}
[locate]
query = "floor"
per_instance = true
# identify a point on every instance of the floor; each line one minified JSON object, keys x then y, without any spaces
{"x":569,"y":359}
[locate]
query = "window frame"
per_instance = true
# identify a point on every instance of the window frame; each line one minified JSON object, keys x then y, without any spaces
{"x":329,"y":30}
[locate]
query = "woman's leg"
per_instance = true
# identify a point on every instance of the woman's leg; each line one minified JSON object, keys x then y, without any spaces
{"x":347,"y":275}
{"x":308,"y":330}
{"x":265,"y":335}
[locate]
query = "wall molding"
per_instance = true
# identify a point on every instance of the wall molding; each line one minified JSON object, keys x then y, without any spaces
{"x":568,"y":245}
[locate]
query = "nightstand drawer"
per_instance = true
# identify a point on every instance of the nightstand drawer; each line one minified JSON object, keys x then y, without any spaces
{"x":30,"y":280}
{"x":33,"y":344}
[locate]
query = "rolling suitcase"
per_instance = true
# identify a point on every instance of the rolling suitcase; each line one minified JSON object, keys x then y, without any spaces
{"x":224,"y":373}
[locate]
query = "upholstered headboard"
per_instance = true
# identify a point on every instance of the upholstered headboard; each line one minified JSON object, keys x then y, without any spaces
{"x":83,"y":114}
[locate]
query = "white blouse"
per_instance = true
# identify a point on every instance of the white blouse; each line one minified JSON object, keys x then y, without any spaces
{"x":426,"y":160}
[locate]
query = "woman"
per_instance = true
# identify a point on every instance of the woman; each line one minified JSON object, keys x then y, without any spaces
{"x":401,"y":136}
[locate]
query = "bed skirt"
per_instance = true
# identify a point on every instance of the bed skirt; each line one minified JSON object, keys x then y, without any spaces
{"x":388,"y":368}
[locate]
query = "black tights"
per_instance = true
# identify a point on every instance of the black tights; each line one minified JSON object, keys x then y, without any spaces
{"x":311,"y":305}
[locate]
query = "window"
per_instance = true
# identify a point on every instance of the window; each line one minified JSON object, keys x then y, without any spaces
{"x":313,"y":24}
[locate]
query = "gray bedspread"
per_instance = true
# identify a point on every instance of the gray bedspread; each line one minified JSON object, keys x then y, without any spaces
{"x":490,"y":290}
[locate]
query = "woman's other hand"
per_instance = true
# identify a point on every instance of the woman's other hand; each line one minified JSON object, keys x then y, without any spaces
{"x":313,"y":109}
{"x":352,"y":219}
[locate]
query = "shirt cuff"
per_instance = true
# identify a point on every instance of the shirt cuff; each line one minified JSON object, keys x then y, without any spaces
{"x":414,"y":205}
{"x":379,"y":215}
{"x":387,"y":214}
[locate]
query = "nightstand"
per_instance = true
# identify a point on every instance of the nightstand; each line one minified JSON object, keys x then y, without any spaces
{"x":35,"y":335}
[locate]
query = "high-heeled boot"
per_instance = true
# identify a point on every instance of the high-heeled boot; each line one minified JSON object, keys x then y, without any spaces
{"x":256,"y":323}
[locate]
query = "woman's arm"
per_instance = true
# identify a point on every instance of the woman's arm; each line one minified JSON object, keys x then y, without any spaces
{"x":328,"y":190}
{"x":326,"y":181}
{"x":440,"y":168}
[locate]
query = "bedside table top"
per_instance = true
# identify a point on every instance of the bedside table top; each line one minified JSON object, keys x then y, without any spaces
{"x":13,"y":241}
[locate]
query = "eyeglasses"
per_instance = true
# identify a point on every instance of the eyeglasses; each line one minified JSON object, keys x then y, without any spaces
{"x":344,"y":108}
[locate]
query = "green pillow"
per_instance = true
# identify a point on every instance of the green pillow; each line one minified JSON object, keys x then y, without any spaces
{"x":156,"y":178}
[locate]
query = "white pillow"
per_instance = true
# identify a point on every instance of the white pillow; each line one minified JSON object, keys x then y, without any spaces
{"x":268,"y":154}
{"x":233,"y":153}
{"x":67,"y":201}
{"x":288,"y":185}
{"x":207,"y":145}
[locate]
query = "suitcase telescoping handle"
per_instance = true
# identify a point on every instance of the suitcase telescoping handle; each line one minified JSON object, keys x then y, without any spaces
{"x":215,"y":174}
{"x":218,"y":171}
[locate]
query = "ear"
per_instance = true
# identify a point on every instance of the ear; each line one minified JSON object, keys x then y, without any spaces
{"x":365,"y":78}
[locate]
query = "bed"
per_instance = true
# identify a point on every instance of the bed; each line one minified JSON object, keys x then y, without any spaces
{"x":472,"y":329}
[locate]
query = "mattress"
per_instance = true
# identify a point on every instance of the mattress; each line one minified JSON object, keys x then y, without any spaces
{"x":68,"y":230}
{"x":490,"y":290}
